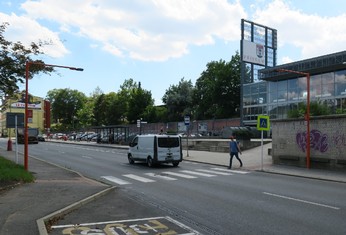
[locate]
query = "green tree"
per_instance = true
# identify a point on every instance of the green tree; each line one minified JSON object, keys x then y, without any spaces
{"x":139,"y":101}
{"x":65,"y":104}
{"x":217,"y":90}
{"x":13,"y":57}
{"x":178,"y":100}
{"x":85,"y":115}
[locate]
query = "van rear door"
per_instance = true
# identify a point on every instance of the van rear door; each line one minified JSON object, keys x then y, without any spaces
{"x":168,"y":149}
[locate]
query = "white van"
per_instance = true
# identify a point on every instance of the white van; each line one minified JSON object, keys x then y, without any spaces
{"x":156,"y":149}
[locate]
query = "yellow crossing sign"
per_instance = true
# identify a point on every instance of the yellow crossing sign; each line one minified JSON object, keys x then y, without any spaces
{"x":263,"y":123}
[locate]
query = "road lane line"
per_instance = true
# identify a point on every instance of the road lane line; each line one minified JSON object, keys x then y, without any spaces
{"x":115,"y":180}
{"x":160,"y":176}
{"x":198,"y":173}
{"x":303,"y":201}
{"x":214,"y":172}
{"x":180,"y":175}
{"x":139,"y":178}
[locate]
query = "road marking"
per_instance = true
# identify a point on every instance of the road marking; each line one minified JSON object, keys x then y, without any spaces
{"x":233,"y":171}
{"x":115,"y":180}
{"x":180,"y":175}
{"x":160,"y":176}
{"x":139,"y":178}
{"x":198,"y":173}
{"x":300,"y":200}
{"x":214,"y":172}
{"x":86,"y":157}
{"x":154,"y":225}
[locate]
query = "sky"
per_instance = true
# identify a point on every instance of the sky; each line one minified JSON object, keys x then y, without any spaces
{"x":159,"y":42}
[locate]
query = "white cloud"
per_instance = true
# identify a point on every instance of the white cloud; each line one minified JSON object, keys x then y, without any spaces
{"x":286,"y":60}
{"x":144,"y":30}
{"x":26,"y":31}
{"x":313,"y":34}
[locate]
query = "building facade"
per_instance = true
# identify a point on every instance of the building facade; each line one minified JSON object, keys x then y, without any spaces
{"x":279,"y":92}
{"x":38,"y":112}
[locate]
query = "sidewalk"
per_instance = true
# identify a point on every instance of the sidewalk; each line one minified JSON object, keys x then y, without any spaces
{"x":56,"y":191}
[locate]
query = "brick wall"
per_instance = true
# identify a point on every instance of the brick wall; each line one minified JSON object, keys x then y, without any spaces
{"x":327,"y":142}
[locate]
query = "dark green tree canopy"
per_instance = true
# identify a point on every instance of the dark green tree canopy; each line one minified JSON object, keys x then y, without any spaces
{"x":178,"y":99}
{"x":65,"y":104}
{"x":217,"y":90}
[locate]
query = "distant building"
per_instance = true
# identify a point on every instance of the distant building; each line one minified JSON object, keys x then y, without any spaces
{"x":38,"y":112}
{"x":279,"y":92}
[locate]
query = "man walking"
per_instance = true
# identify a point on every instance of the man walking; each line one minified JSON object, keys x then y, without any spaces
{"x":234,"y":150}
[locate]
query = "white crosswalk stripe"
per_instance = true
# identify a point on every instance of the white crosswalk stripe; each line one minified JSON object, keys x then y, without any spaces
{"x":115,"y":180}
{"x":214,"y":172}
{"x":198,"y":173}
{"x":164,"y":177}
{"x":233,"y":171}
{"x":139,"y":178}
{"x":180,"y":175}
{"x":171,"y":176}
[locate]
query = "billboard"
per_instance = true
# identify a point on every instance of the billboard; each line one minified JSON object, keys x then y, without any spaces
{"x":253,"y":53}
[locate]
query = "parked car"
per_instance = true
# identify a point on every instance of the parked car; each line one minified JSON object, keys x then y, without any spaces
{"x":41,"y":138}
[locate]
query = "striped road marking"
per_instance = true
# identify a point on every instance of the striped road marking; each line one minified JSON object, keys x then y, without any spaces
{"x":198,"y":173}
{"x":160,"y":176}
{"x":233,"y":171}
{"x":115,"y":180}
{"x":180,"y":175}
{"x":139,"y":178}
{"x":214,"y":172}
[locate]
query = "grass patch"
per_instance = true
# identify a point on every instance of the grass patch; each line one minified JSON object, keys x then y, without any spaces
{"x":11,"y":172}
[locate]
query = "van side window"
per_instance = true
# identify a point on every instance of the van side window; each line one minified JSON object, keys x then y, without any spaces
{"x":134,"y":142}
{"x":168,"y":142}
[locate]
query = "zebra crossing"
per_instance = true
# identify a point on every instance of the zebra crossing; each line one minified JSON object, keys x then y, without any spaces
{"x":150,"y":177}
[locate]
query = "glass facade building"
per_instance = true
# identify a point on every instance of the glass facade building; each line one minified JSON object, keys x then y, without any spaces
{"x":278,"y":92}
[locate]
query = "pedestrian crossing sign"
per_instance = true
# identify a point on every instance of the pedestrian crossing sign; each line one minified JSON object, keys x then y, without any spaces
{"x":263,"y":123}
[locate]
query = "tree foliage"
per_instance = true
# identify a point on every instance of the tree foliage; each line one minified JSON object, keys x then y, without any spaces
{"x":65,"y":104}
{"x":317,"y":108}
{"x":13,"y":58}
{"x":217,"y":90}
{"x":178,"y":100}
{"x":139,"y":101}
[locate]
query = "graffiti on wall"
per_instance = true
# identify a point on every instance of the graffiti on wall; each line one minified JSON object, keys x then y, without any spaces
{"x":318,"y":141}
{"x":339,"y":139}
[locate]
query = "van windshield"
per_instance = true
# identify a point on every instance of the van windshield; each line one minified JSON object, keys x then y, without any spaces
{"x":168,"y":142}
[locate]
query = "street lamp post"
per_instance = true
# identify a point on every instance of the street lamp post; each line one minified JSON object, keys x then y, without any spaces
{"x":26,"y":134}
{"x":307,"y":116}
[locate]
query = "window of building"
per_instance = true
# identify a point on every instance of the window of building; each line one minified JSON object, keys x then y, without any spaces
{"x":340,"y":83}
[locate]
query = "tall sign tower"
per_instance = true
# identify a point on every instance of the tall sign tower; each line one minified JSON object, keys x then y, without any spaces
{"x":258,"y":47}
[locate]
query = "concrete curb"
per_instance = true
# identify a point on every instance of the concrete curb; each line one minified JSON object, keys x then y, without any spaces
{"x":41,"y":223}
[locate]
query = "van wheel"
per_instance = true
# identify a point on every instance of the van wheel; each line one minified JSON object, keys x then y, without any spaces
{"x":131,"y":161}
{"x":175,"y":163}
{"x":150,"y":162}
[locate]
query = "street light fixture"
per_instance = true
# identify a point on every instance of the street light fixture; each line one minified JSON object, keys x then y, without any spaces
{"x":26,"y":134}
{"x":307,"y":116}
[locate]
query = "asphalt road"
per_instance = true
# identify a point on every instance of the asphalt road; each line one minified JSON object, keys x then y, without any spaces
{"x":211,"y":199}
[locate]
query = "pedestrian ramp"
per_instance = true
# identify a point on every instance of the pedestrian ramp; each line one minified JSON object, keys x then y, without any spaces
{"x":151,"y":177}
